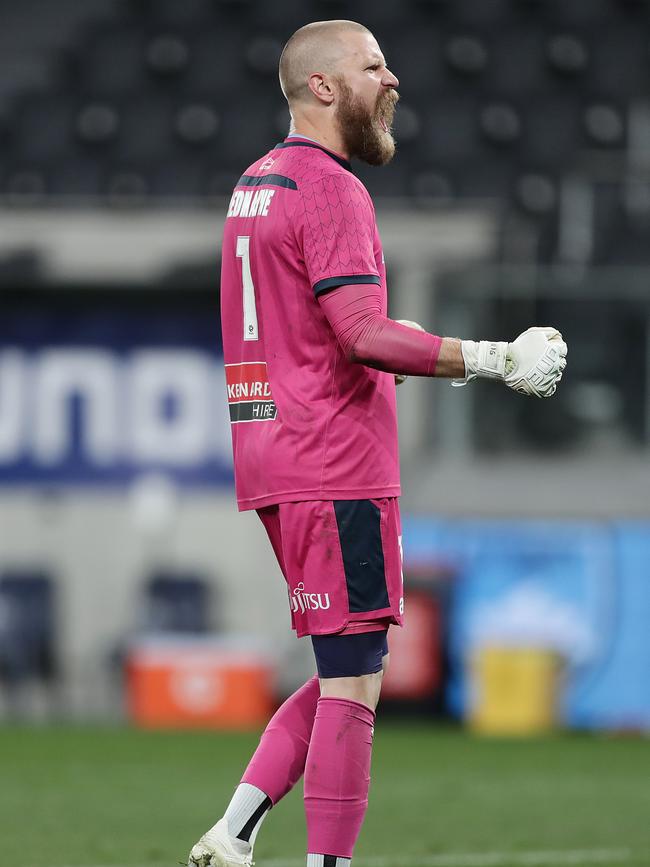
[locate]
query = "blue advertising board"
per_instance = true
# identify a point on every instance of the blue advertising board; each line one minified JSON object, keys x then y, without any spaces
{"x":96,"y":394}
{"x":581,"y":590}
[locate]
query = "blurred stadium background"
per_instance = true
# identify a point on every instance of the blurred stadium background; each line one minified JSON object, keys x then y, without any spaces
{"x":130,"y":588}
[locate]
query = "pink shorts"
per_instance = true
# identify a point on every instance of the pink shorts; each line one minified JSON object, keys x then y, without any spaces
{"x":342,"y":561}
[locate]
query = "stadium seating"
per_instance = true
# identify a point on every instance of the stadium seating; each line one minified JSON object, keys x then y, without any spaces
{"x":501,"y":99}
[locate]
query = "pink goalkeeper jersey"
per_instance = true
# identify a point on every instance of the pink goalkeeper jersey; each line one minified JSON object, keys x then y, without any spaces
{"x":307,"y":424}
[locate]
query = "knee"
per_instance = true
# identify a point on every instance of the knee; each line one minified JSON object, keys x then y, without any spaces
{"x":365,"y":689}
{"x":351,"y":666}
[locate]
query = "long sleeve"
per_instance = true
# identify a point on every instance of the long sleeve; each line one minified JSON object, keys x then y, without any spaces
{"x":368,"y":337}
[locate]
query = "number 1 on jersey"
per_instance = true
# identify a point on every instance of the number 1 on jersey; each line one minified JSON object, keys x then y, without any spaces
{"x":250,"y":312}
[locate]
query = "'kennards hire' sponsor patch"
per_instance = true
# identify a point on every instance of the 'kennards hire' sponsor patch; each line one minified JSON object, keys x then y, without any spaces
{"x":249,"y":392}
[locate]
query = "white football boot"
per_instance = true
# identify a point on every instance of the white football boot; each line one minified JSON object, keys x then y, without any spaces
{"x":217,"y":848}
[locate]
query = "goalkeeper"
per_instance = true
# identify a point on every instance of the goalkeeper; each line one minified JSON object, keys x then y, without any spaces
{"x":309,"y":351}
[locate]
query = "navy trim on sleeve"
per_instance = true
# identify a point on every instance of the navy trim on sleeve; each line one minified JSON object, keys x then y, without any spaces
{"x":334,"y":282}
{"x":271,"y":180}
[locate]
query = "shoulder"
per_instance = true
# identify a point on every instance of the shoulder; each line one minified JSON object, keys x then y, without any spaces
{"x":340,"y":190}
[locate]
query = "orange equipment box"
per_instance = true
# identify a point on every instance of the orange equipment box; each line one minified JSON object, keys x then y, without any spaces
{"x":198,"y":683}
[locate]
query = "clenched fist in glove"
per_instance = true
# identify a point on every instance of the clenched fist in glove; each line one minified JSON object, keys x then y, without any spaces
{"x":532,"y":364}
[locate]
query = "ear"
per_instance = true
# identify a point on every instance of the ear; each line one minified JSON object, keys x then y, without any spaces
{"x":319,"y":85}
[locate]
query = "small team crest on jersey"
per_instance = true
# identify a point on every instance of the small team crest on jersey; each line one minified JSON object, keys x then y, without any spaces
{"x":249,"y":392}
{"x":266,"y":165}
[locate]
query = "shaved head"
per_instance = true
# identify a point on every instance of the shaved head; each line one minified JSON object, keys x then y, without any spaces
{"x":316,"y":47}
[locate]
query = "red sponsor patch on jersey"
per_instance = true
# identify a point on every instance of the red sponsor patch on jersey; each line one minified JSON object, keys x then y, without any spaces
{"x":249,"y":392}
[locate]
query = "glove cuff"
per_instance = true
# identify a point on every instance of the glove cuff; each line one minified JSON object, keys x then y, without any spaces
{"x":486,"y":358}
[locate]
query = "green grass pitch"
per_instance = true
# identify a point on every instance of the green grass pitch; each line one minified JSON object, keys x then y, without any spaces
{"x":84,"y":797}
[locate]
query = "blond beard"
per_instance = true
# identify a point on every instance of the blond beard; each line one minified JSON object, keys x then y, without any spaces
{"x":362,"y":136}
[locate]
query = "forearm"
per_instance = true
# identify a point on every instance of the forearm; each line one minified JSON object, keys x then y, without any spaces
{"x":392,"y":347}
{"x":412,"y":353}
{"x":368,"y":337}
{"x":450,"y":359}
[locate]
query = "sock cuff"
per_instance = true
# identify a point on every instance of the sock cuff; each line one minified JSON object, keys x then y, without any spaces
{"x":327,"y":861}
{"x":254,"y":801}
{"x":332,"y":706}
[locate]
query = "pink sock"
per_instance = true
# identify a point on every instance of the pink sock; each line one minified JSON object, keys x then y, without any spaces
{"x":279,"y":760}
{"x":337,"y":776}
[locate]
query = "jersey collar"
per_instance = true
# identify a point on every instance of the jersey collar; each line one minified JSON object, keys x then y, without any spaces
{"x":293,"y":142}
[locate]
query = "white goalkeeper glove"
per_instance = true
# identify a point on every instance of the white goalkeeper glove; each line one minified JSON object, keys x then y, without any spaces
{"x":402,"y":377}
{"x":532,"y":364}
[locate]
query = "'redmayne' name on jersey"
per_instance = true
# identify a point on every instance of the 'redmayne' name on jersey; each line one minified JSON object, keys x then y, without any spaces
{"x":250,"y":203}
